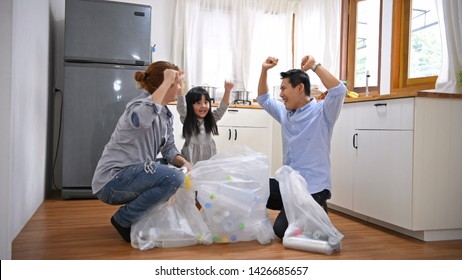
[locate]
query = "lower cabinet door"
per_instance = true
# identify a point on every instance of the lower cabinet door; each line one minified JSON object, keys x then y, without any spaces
{"x":343,"y":156}
{"x":383,"y":176}
{"x":256,"y":138}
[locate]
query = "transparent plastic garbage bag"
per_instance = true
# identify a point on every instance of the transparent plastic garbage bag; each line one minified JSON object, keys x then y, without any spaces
{"x":175,"y":223}
{"x":232,"y":189}
{"x":310,"y":228}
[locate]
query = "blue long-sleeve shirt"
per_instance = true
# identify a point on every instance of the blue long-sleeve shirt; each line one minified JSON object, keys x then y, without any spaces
{"x":306,"y":135}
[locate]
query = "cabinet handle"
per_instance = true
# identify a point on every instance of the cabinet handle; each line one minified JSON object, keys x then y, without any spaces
{"x":235,"y":134}
{"x":229,"y":133}
{"x":233,"y":110}
{"x":380,"y":104}
{"x":355,"y":145}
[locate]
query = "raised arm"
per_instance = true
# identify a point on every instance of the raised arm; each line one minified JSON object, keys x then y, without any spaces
{"x":228,"y":87}
{"x":327,"y":79}
{"x":171,"y":78}
{"x":269,"y":63}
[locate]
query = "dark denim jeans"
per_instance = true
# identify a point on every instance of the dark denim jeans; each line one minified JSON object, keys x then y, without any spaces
{"x":275,"y":203}
{"x":140,"y":187}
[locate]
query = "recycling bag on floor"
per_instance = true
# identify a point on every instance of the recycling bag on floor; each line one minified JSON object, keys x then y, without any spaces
{"x":174,"y":223}
{"x":310,"y":228}
{"x":232,"y":188}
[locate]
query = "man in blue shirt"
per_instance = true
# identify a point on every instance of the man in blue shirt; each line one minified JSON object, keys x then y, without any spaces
{"x":306,"y":126}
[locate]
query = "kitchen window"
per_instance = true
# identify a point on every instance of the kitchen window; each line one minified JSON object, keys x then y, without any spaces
{"x":218,"y":39}
{"x":416,"y":57}
{"x":417,"y":47}
{"x":364,"y":21}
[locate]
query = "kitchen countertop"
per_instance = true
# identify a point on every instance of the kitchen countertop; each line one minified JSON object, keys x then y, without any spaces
{"x":254,"y":105}
{"x":420,"y":93}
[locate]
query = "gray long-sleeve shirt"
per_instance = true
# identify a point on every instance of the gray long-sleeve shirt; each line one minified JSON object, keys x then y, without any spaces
{"x":143,"y":130}
{"x":199,"y":146}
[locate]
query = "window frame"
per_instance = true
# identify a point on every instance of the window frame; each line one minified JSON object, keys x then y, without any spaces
{"x":348,"y":48}
{"x":400,"y":82}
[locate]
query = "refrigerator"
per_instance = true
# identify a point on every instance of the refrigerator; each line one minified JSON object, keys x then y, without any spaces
{"x":105,"y":43}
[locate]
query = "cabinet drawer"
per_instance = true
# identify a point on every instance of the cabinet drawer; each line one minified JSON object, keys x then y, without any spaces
{"x":245,"y":117}
{"x":385,"y":114}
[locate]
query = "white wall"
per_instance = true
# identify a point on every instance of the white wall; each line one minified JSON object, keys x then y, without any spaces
{"x":6,"y":21}
{"x":29,"y":107}
{"x":24,"y":113}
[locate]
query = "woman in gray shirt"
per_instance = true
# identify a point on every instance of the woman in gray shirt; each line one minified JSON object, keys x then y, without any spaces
{"x":127,"y":172}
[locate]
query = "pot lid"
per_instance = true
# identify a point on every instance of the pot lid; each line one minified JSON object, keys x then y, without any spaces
{"x":206,"y":86}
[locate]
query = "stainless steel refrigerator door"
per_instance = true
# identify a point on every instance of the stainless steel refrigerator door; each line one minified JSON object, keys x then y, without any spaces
{"x":94,"y":98}
{"x":107,"y":32}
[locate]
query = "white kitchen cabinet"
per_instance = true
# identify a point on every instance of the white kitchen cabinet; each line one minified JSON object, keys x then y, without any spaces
{"x":396,"y":163}
{"x":383,"y":176}
{"x":368,"y":139}
{"x":254,"y":137}
{"x":383,"y":164}
{"x":437,"y":180}
{"x":251,"y":127}
{"x":343,"y":158}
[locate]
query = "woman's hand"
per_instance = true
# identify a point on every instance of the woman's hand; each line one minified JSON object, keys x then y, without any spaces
{"x":187,"y":165}
{"x":170,"y":76}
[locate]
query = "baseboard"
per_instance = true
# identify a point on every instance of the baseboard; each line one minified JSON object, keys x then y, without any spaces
{"x":77,"y":192}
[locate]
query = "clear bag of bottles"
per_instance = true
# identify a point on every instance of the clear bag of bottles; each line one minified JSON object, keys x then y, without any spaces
{"x":232,"y":188}
{"x":310,"y":228}
{"x":175,"y":223}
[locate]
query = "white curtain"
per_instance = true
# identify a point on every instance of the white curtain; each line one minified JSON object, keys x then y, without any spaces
{"x":450,"y":18}
{"x":216,"y":40}
{"x":317,"y":32}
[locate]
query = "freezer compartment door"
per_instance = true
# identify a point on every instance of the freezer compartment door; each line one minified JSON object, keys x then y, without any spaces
{"x":107,"y":32}
{"x":94,"y":98}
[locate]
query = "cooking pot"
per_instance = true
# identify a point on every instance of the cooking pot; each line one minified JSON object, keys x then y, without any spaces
{"x":241,"y":94}
{"x":210,"y":90}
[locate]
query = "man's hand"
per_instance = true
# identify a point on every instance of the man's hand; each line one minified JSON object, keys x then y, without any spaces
{"x":307,"y":62}
{"x":269,"y":63}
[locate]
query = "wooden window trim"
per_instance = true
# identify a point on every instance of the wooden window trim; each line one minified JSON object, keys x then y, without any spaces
{"x":400,"y":52}
{"x":348,"y":48}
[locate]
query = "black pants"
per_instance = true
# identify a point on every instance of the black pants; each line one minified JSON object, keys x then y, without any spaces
{"x":275,"y":203}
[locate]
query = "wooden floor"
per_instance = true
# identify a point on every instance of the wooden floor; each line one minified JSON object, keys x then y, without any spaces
{"x":80,"y":230}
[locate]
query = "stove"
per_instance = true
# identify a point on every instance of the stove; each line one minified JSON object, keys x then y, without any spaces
{"x":242,"y":102}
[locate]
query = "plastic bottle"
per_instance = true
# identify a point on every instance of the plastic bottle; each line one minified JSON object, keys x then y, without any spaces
{"x":304,"y":244}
